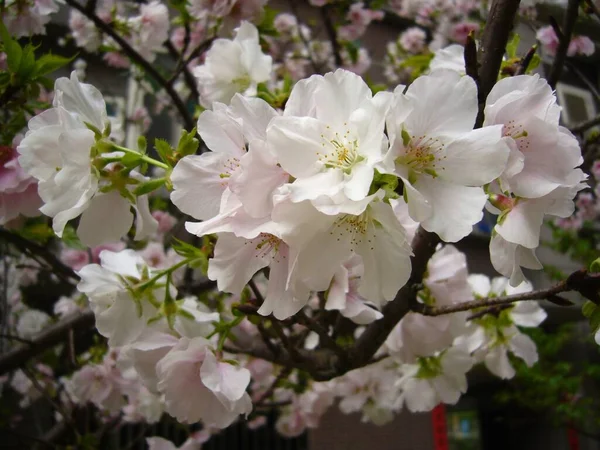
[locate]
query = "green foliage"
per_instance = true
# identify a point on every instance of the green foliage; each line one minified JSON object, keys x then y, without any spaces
{"x":553,"y":386}
{"x":266,"y":27}
{"x":21,"y":83}
{"x":580,"y":246}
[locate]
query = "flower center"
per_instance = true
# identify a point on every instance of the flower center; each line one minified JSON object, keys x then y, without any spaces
{"x":421,"y":154}
{"x":355,"y":227}
{"x":339,"y":151}
{"x":518,"y":133}
{"x":265,"y":244}
{"x":242,"y":83}
{"x":229,"y":166}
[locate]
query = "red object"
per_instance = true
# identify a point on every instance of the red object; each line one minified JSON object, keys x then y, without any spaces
{"x":440,"y":432}
{"x":573,"y":438}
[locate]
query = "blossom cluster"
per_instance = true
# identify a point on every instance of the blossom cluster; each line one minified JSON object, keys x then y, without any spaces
{"x":308,"y":196}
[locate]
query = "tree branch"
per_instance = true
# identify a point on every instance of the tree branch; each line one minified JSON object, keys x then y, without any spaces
{"x":181,"y":67}
{"x":137,"y":58}
{"x":46,"y":339}
{"x":495,"y":37}
{"x":40,"y":254}
{"x":584,"y":126}
{"x":335,"y":45}
{"x":563,"y":43}
{"x":540,"y":294}
{"x":376,"y":333}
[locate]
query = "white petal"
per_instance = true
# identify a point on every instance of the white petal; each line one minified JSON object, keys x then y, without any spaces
{"x":497,"y":362}
{"x":107,"y":219}
{"x":455,"y":208}
{"x":474,"y":158}
{"x":201,"y":174}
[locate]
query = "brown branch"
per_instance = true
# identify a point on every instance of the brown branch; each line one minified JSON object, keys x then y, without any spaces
{"x":331,"y":33}
{"x":524,"y":64}
{"x":181,"y":67}
{"x":584,"y":126}
{"x":495,"y":37}
{"x":376,"y":333}
{"x":283,"y":373}
{"x":56,"y":405}
{"x":293,"y":8}
{"x":324,"y":338}
{"x":489,"y":302}
{"x":591,"y":8}
{"x":40,"y":254}
{"x":137,"y":58}
{"x":46,"y":339}
{"x":563,"y":42}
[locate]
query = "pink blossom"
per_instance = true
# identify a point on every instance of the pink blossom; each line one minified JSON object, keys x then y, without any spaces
{"x":581,"y":45}
{"x":461,"y":31}
{"x":569,"y":223}
{"x":548,"y":39}
{"x":413,"y":40}
{"x":141,"y":117}
{"x":76,"y":258}
{"x":165,"y":221}
{"x":116,"y":59}
{"x":362,"y":63}
{"x":596,"y":170}
{"x":18,"y":191}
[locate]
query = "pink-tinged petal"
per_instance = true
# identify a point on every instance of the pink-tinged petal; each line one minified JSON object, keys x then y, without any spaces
{"x":236,"y":260}
{"x":207,"y":174}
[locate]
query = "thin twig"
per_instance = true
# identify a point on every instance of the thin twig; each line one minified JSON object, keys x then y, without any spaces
{"x":487,"y":302}
{"x":11,"y":337}
{"x":256,"y":292}
{"x":563,"y":42}
{"x":40,"y":254}
{"x":324,"y":337}
{"x":137,"y":58}
{"x":57,"y":406}
{"x":46,"y":339}
{"x":591,"y":8}
{"x":580,"y":75}
{"x":584,"y":126}
{"x":524,"y":64}
{"x":190,"y":81}
{"x":283,"y":373}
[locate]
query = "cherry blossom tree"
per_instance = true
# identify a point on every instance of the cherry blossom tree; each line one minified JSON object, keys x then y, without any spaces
{"x":293,"y":248}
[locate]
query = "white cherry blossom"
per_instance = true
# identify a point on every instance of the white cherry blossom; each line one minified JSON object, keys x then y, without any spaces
{"x":440,"y":159}
{"x":232,"y":66}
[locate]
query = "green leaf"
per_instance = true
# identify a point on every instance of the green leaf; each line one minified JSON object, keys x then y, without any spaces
{"x":142,"y":144}
{"x":164,"y":150}
{"x":595,"y":320}
{"x":186,"y":250}
{"x":595,"y":266}
{"x":588,"y":308}
{"x":131,"y":159}
{"x":48,"y":63}
{"x":14,"y":53}
{"x":71,"y":240}
{"x":513,"y":44}
{"x":27,"y":64}
{"x":149,"y":186}
{"x":188,"y":144}
{"x":13,"y":50}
